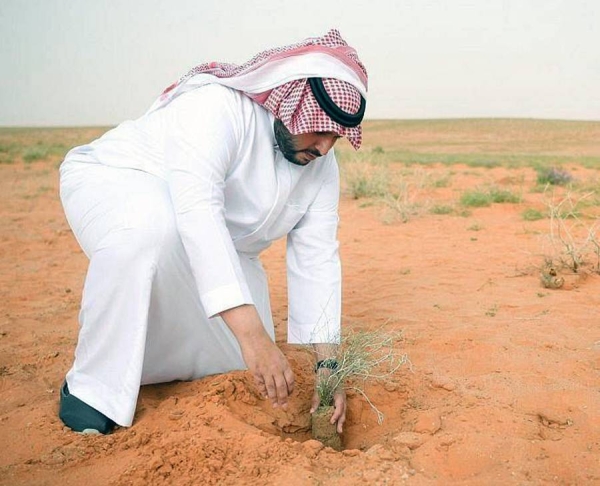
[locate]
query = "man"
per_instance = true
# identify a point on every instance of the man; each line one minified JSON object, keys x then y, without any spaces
{"x":173,"y":209}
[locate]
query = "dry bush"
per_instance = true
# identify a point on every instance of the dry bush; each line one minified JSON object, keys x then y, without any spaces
{"x":404,"y":199}
{"x":573,"y":238}
{"x":365,"y":180}
{"x":370,"y":178}
{"x":401,"y":205}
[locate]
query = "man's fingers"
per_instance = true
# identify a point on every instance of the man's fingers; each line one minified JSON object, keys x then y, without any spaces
{"x":262,"y":389}
{"x":273,"y":377}
{"x":282,"y":390}
{"x":340,"y":422}
{"x":339,"y":414}
{"x":290,"y":379}
{"x":260,"y":385}
{"x":271,"y":390}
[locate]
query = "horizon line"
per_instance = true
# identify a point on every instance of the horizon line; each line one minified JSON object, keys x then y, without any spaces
{"x":467,"y":118}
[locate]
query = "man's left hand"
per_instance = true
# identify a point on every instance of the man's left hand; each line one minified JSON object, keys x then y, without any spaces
{"x":339,"y":414}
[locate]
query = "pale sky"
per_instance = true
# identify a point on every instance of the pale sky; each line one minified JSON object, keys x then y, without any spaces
{"x":99,"y":62}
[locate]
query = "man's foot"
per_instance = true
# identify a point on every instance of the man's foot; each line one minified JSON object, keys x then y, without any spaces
{"x":80,"y":417}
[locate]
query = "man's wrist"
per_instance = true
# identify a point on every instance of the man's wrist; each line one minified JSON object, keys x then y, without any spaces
{"x":245,"y":324}
{"x":329,"y":363}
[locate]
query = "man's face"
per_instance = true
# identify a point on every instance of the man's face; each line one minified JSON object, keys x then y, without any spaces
{"x":304,"y":148}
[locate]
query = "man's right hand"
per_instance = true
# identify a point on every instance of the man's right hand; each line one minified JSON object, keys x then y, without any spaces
{"x":271,"y":371}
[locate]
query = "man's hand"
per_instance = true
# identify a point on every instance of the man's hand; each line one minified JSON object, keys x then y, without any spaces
{"x":339,"y":414}
{"x":271,"y":371}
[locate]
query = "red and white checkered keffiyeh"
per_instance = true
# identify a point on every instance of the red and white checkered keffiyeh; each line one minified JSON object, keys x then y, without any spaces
{"x":277,"y":80}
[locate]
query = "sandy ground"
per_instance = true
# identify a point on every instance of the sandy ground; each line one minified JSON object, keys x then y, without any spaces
{"x":504,"y":386}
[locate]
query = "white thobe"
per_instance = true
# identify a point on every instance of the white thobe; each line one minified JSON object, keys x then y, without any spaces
{"x":173,"y":210}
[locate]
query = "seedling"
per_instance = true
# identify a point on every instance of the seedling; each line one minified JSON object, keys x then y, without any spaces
{"x":360,"y":357}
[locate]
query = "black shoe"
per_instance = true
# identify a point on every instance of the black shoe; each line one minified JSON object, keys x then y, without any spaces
{"x":80,"y":417}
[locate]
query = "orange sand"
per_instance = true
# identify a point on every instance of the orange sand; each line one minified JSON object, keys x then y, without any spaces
{"x":503,"y":388}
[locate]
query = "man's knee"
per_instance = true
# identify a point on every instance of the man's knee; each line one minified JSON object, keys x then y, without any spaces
{"x":134,"y":244}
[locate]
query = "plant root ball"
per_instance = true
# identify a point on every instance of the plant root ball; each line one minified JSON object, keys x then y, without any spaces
{"x":323,"y":431}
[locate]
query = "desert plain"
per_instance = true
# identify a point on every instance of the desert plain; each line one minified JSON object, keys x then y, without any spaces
{"x":477,"y":240}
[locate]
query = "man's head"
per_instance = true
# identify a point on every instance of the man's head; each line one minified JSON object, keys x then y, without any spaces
{"x":303,"y":148}
{"x":315,"y":112}
{"x":317,"y":86}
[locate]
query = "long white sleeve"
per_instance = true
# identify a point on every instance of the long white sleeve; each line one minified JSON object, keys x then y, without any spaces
{"x":202,"y":137}
{"x":313,"y":266}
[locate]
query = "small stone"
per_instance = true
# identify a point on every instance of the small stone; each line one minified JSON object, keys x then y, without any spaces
{"x":351,"y":452}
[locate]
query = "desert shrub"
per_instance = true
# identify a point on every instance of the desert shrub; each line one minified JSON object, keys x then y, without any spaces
{"x":360,"y":357}
{"x":399,"y":208}
{"x":531,"y":214}
{"x":575,"y":242}
{"x":441,"y":209}
{"x":367,"y":185}
{"x":31,"y":154}
{"x":479,"y":198}
{"x":476,"y":199}
{"x":443,"y":181}
{"x":365,"y":180}
{"x":6,"y":158}
{"x":7,"y":153}
{"x":553,"y":176}
{"x":504,"y":196}
{"x":401,"y":203}
{"x":485,"y":163}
